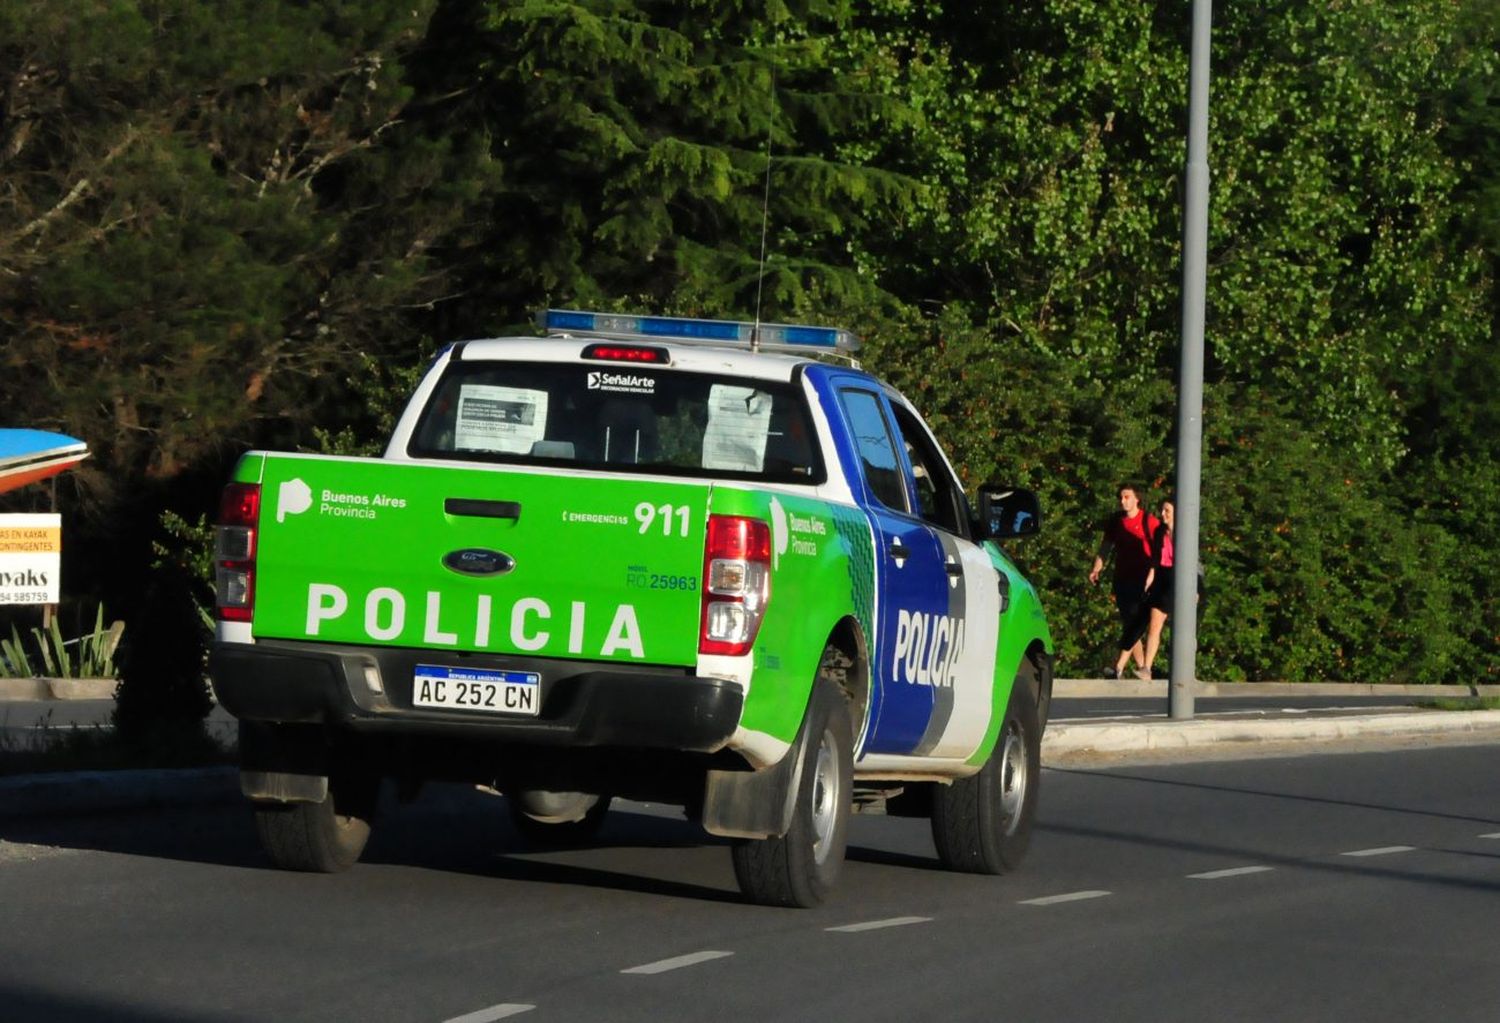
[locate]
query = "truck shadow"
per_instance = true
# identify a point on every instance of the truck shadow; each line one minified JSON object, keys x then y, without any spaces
{"x":462,"y":834}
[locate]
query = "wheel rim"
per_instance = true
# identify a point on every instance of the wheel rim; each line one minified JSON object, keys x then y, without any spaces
{"x":1015,"y":776}
{"x":825,"y":798}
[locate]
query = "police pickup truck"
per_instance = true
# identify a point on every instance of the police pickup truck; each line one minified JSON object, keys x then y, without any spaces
{"x":700,"y":562}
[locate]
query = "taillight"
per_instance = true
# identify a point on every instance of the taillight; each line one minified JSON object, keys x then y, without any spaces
{"x":234,"y":551}
{"x":736,"y":583}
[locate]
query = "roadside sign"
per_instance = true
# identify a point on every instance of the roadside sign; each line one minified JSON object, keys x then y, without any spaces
{"x":30,"y":559}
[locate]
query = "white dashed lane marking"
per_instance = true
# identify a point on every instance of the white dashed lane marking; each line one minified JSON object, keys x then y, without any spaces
{"x":1492,"y":834}
{"x":678,"y":962}
{"x":1214,"y":875}
{"x":875,"y":925}
{"x":1052,"y":900}
{"x":494,"y":1012}
{"x":1384,"y":850}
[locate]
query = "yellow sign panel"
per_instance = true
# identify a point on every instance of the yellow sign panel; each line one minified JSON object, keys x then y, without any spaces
{"x":30,"y":540}
{"x":30,"y":559}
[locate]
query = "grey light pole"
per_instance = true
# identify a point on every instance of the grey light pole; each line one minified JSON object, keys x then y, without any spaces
{"x":1190,"y":386}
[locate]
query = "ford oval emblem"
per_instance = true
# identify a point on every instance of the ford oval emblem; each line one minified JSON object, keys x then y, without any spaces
{"x":479,"y":561}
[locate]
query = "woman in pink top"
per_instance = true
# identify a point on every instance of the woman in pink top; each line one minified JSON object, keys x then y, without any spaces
{"x":1159,"y":584}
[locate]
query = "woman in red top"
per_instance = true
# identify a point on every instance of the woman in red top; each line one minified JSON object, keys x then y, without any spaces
{"x":1128,"y":535}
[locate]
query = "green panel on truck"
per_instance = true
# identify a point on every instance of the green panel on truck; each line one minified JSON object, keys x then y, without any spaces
{"x":811,"y":592}
{"x":362,"y":551}
{"x":1022,"y":625}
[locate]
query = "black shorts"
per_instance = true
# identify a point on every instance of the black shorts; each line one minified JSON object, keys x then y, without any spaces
{"x":1128,"y":600}
{"x":1160,"y":595}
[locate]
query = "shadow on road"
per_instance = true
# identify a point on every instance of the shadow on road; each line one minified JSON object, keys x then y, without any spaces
{"x":462,"y":833}
{"x":25,"y":1004}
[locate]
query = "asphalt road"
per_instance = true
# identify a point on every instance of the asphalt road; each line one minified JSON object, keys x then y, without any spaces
{"x":1359,"y":886}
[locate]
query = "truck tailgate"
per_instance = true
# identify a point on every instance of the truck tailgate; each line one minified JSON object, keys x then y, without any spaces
{"x":500,"y":560}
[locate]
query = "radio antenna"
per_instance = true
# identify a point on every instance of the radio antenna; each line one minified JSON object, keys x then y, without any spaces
{"x":765,"y":216}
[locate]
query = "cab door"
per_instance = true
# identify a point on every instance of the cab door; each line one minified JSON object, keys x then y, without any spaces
{"x":960,"y":653}
{"x":911,"y":584}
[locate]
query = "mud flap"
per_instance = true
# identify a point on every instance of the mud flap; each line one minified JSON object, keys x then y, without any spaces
{"x":755,"y":804}
{"x":283,"y":763}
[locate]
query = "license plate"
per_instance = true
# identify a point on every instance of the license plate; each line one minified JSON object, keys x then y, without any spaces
{"x":482,"y":689}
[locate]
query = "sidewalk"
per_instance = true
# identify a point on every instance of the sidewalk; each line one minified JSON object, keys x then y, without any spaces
{"x":1147,"y":735}
{"x":1275,"y":730}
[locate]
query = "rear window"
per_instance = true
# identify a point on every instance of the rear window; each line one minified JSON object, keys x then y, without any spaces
{"x":644,"y":419}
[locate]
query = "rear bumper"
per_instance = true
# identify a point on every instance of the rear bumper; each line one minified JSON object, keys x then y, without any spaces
{"x":582,"y":703}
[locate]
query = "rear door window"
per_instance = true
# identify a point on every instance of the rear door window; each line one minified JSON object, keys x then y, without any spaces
{"x":877,"y":449}
{"x":635,"y":418}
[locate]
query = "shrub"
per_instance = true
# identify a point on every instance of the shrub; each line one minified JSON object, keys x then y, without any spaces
{"x":91,"y":655}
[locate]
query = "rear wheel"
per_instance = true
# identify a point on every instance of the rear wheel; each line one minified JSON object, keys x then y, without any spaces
{"x":324,"y":837}
{"x":801,"y":867}
{"x":982,"y":824}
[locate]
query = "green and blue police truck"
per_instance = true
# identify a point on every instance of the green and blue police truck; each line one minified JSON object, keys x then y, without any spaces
{"x":699,"y":562}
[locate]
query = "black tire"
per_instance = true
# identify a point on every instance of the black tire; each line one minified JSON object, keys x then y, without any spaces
{"x":802,"y":867}
{"x":982,"y":824}
{"x":324,"y":837}
{"x":540,"y":832}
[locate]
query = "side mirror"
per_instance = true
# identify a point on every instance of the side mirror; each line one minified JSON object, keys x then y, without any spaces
{"x":1006,"y":512}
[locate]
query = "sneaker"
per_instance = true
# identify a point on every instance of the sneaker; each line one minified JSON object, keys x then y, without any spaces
{"x":1144,"y":674}
{"x":1110,"y":672}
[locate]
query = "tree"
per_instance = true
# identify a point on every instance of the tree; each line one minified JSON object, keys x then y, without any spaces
{"x":631,"y":139}
{"x":197,"y":239}
{"x":1338,"y":286}
{"x":195,"y":234}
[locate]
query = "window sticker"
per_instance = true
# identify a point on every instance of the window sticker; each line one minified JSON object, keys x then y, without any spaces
{"x":504,"y":419}
{"x":630,"y":383}
{"x":739,"y":419}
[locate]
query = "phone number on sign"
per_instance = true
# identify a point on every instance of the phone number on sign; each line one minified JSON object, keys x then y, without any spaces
{"x":26,"y":597}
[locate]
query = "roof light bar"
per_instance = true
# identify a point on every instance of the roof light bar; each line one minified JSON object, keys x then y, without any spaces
{"x":782,"y":337}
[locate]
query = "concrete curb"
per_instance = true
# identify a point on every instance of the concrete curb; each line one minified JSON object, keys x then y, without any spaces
{"x":57,"y":689}
{"x":1064,"y":738}
{"x":77,"y":792}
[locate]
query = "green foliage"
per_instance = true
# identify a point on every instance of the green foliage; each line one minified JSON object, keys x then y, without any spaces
{"x":187,"y":552}
{"x":196,"y":234}
{"x":1347,"y":335}
{"x":383,"y":390}
{"x":1053,"y":185}
{"x":92,"y":655}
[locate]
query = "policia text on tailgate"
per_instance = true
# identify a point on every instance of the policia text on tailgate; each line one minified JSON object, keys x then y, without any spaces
{"x":689,"y":561}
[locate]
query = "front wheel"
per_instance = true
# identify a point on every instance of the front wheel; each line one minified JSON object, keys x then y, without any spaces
{"x":982,"y":824}
{"x":801,"y":867}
